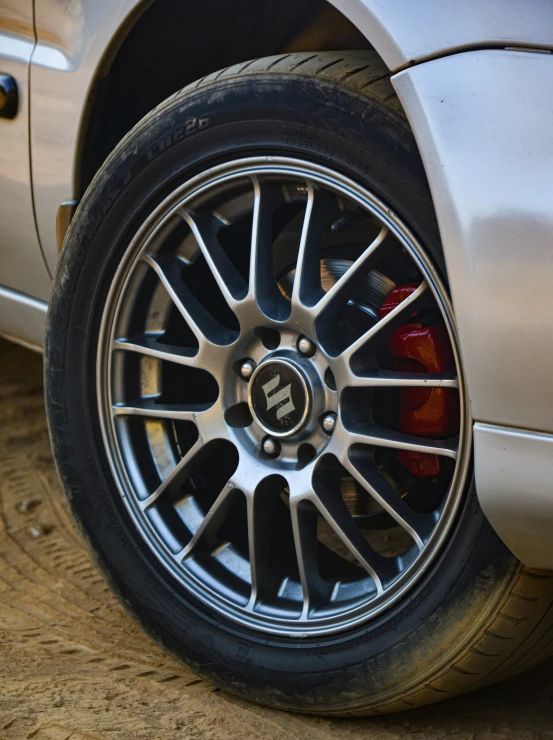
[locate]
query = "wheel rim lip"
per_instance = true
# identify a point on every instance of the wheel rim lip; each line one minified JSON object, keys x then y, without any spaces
{"x":335,"y":181}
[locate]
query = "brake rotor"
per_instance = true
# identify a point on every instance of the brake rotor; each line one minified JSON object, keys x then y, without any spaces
{"x":369,"y":297}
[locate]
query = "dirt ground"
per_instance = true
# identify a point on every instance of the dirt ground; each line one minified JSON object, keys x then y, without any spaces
{"x":74,"y":665}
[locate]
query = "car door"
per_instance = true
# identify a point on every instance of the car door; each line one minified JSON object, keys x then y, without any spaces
{"x":22,"y":267}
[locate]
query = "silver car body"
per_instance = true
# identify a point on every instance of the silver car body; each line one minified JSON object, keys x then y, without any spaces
{"x":475,"y":79}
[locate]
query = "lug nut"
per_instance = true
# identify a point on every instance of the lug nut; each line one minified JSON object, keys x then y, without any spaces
{"x":271,"y":447}
{"x":246,"y":369}
{"x":306,"y":346}
{"x":328,"y":422}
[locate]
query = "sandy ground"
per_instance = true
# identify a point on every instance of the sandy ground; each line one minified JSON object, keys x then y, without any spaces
{"x":73,"y":665}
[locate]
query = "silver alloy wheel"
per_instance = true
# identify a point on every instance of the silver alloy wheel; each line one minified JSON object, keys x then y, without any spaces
{"x":185,"y":428}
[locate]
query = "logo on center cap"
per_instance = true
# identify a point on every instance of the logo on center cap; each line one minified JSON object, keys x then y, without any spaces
{"x":281,"y":398}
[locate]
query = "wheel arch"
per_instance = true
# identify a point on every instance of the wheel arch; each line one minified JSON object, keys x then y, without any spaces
{"x":300,"y":25}
{"x":91,"y":60}
{"x":78,"y":45}
{"x":168,"y":59}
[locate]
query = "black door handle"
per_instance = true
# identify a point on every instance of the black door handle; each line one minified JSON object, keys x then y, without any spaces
{"x":8,"y":97}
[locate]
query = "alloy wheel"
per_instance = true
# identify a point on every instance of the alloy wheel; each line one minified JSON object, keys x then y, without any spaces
{"x":248,"y":400}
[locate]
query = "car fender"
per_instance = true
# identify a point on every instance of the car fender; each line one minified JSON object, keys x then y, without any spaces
{"x":482,"y":120}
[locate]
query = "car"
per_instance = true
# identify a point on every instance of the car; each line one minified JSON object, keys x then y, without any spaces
{"x":290,"y":265}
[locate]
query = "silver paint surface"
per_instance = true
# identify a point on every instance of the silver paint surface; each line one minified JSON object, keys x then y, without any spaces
{"x":514,"y":470}
{"x":483,"y":124}
{"x":21,"y":263}
{"x":22,"y":317}
{"x":72,"y":38}
{"x":408,"y":31}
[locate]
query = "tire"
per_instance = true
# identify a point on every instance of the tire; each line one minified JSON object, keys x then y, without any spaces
{"x":476,"y":615}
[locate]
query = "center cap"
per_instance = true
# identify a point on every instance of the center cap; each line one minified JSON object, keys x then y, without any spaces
{"x":279,"y":397}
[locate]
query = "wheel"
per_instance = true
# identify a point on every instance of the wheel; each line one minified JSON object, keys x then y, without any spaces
{"x":257,"y":403}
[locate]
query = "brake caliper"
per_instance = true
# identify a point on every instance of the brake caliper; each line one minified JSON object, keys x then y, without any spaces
{"x":424,"y":412}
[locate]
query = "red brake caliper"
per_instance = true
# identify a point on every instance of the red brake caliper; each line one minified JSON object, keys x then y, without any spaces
{"x":424,"y":412}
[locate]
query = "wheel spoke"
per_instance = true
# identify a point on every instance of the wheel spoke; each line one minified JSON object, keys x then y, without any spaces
{"x":229,"y":280}
{"x":148,"y":345}
{"x":392,"y":379}
{"x":307,"y":289}
{"x":380,"y":437}
{"x":263,"y":288}
{"x":148,"y":408}
{"x":389,"y":322}
{"x":340,"y":293}
{"x":204,"y":327}
{"x":304,"y":526}
{"x":181,"y":469}
{"x":204,"y":537}
{"x":333,"y":508}
{"x":261,"y":511}
{"x":418,"y":526}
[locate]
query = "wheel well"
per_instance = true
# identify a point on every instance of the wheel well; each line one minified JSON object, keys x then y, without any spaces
{"x":173,"y":43}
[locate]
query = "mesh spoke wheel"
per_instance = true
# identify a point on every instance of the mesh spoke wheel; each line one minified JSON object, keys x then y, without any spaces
{"x":248,"y":400}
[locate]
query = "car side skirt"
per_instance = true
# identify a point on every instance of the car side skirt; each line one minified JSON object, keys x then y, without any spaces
{"x":514,"y":470}
{"x":22,"y":318}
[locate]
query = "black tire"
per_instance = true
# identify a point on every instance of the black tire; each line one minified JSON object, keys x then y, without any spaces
{"x":477,"y":615}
